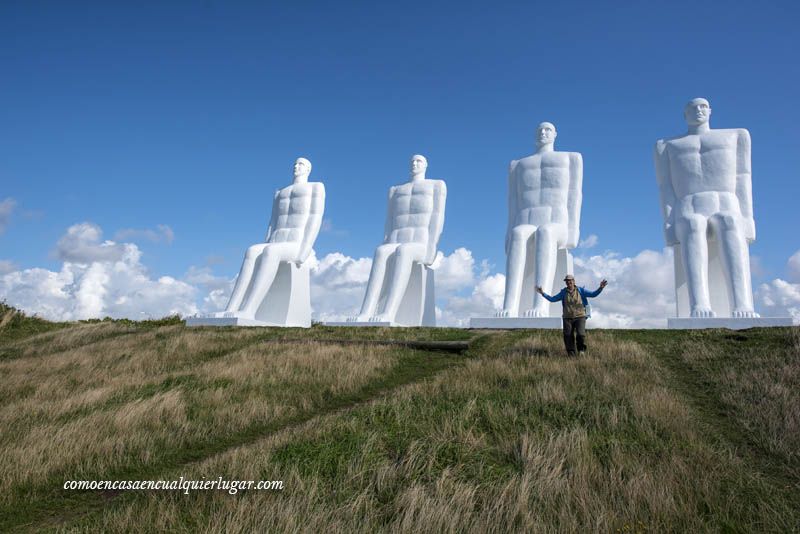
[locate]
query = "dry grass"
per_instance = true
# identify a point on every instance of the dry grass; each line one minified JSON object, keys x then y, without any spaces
{"x":79,"y":404}
{"x":520,"y":439}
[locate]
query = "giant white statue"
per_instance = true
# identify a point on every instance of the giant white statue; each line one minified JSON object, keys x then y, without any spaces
{"x":273,"y":285}
{"x":707,"y":204}
{"x":544,"y":211}
{"x":400,"y":290}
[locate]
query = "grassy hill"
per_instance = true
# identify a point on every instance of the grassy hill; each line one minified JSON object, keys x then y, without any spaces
{"x":398,"y":429}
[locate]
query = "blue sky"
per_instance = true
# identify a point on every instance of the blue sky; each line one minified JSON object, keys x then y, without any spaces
{"x":190,"y":114}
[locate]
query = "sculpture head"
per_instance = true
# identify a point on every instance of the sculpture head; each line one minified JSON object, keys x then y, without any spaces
{"x":418,"y":166}
{"x":697,"y":112}
{"x":545,"y":134}
{"x":302,"y":168}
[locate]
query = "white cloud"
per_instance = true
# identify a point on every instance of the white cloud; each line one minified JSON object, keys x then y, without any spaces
{"x":6,"y":208}
{"x":640,"y":293}
{"x":161,"y":234}
{"x":794,"y":267}
{"x":778,"y":298}
{"x":590,"y":241}
{"x":81,"y":244}
{"x":96,"y":279}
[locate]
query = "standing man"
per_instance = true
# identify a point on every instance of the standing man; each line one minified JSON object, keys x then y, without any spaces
{"x":574,"y":301}
{"x":544,"y":210}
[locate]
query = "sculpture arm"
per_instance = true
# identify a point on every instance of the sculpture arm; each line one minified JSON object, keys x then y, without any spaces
{"x":437,"y":220}
{"x":314,"y":221}
{"x":387,"y":226}
{"x":574,"y":198}
{"x":744,"y":184}
{"x":667,"y":192}
{"x":272,"y":216}
{"x":512,"y":203}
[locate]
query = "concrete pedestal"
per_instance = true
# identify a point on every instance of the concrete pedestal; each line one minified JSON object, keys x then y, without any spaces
{"x":686,"y":323}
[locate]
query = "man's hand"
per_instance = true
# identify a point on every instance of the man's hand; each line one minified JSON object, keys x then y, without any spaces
{"x":603,"y":283}
{"x":539,"y":290}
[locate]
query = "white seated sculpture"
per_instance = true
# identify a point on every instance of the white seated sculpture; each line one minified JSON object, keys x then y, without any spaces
{"x":400,"y":290}
{"x":273,"y":284}
{"x":544,"y":210}
{"x":706,"y":200}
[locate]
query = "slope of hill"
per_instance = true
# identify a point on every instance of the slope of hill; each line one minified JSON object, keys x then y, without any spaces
{"x":652,"y":431}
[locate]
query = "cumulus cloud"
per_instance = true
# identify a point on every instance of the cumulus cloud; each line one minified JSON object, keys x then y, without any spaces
{"x":161,"y":234}
{"x":6,"y":208}
{"x":97,"y":279}
{"x":778,"y":298}
{"x":590,"y":241}
{"x":82,"y":244}
{"x":641,"y":290}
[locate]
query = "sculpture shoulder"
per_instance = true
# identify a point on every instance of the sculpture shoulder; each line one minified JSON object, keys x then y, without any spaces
{"x":439,"y":185}
{"x":317,"y":187}
{"x":575,"y":157}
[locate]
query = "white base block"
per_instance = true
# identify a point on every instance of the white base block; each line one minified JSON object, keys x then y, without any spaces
{"x":732,"y":323}
{"x":516,"y":322}
{"x":227,"y":321}
{"x":364,"y":323}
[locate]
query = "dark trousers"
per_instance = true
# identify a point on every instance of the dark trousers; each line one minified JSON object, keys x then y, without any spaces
{"x":574,"y":328}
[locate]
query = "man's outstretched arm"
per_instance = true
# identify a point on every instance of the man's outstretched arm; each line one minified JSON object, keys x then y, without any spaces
{"x":555,"y":298}
{"x":592,"y":294}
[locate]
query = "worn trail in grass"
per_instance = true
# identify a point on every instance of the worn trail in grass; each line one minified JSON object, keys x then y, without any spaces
{"x":29,"y":505}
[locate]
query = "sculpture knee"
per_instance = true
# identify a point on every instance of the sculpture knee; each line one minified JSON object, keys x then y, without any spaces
{"x":407,"y":253}
{"x":693,"y":224}
{"x":253,"y":252}
{"x":728,"y":221}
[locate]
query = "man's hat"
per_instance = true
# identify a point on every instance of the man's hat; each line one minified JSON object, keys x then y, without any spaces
{"x":569,"y":277}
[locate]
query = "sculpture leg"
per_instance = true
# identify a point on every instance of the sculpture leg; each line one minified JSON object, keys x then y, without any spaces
{"x":405,"y":255}
{"x":515,"y":267}
{"x":547,"y":240}
{"x":691,"y":232}
{"x":376,"y":275}
{"x":735,"y":257}
{"x":245,"y":275}
{"x":273,"y":254}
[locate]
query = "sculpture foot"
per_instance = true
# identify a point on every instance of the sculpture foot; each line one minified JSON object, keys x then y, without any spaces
{"x":379,"y":319}
{"x":535,"y":312}
{"x":703,"y":313}
{"x":357,"y":319}
{"x":503,"y":313}
{"x":744,"y":314}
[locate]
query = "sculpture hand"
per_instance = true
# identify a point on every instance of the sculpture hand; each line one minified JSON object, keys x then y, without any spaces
{"x":669,"y":234}
{"x":749,"y":230}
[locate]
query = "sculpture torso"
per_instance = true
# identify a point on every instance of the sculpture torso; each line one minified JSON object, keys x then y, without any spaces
{"x":541,"y":185}
{"x":292,"y":207}
{"x":411,"y":209}
{"x":702,"y":169}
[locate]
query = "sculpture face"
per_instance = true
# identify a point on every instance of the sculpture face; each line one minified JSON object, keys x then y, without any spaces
{"x":697,"y":112}
{"x":545,"y":134}
{"x":418,"y":164}
{"x":302,"y":167}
